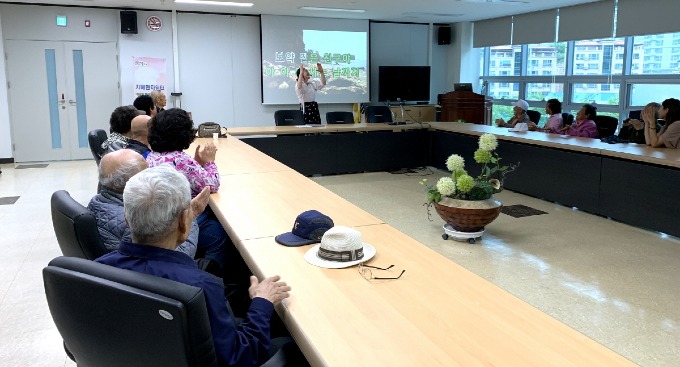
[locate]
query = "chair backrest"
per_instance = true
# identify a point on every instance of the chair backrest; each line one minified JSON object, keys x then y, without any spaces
{"x":567,"y":118}
{"x":339,"y":117}
{"x":75,"y":228}
{"x":289,"y":117}
{"x":606,"y":125}
{"x":534,"y":116}
{"x":115,"y":317}
{"x":95,"y":138}
{"x":378,"y":114}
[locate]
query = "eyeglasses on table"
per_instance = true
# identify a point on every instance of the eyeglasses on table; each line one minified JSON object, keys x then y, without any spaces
{"x":365,"y":271}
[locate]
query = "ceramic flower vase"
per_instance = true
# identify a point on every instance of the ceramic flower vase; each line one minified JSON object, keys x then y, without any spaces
{"x":468,"y":215}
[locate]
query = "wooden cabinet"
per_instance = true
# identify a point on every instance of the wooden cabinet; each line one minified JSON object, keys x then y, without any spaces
{"x":466,"y":106}
{"x":414,"y":113}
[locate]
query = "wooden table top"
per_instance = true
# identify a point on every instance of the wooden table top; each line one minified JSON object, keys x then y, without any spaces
{"x":236,"y":157}
{"x":437,"y":314}
{"x":629,"y":151}
{"x":266,"y":204}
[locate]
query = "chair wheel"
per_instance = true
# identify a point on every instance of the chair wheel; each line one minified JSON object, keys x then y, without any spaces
{"x":471,"y":240}
{"x":445,"y":236}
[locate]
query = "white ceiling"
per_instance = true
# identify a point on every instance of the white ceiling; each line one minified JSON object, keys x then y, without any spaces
{"x":418,"y":11}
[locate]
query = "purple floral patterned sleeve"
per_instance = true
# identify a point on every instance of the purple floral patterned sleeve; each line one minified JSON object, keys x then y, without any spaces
{"x":199,"y":177}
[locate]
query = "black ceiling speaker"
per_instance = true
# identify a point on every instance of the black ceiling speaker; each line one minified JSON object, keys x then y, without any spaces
{"x":128,"y":22}
{"x":444,"y":36}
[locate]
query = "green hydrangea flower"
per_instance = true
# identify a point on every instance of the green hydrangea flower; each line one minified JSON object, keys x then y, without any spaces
{"x":465,"y":183}
{"x":482,"y":156}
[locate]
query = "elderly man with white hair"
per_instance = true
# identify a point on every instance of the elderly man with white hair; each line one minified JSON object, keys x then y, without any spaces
{"x":158,"y":211}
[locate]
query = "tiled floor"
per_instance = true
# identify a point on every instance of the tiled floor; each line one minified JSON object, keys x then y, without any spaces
{"x":615,"y":283}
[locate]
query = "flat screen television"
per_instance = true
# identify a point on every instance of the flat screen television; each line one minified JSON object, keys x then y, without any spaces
{"x":408,"y":83}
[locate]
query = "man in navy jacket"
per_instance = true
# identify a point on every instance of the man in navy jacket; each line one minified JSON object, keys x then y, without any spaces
{"x":158,"y":212}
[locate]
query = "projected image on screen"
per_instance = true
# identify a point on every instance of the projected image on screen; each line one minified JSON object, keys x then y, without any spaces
{"x":288,"y":42}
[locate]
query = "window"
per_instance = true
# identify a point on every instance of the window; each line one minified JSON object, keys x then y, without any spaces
{"x":508,"y":59}
{"x":592,"y":63}
{"x":594,"y":93}
{"x":544,"y":91}
{"x":504,"y":90}
{"x":641,"y":94}
{"x":656,"y":54}
{"x":600,"y":54}
{"x":546,"y":55}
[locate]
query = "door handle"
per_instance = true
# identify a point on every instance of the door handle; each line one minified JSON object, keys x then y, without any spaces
{"x":72,"y":102}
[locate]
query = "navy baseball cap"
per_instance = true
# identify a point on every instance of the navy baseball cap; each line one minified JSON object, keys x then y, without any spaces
{"x":309,"y":227}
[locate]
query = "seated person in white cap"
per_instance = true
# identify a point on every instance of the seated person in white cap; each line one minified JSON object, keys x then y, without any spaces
{"x":520,"y":115}
{"x":158,"y":212}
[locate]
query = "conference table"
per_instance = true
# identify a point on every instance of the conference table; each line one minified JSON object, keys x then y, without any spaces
{"x":617,"y":181}
{"x":436,"y":314}
{"x":631,"y":183}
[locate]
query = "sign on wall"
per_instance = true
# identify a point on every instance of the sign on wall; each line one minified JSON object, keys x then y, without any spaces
{"x":149,"y":75}
{"x":154,"y":23}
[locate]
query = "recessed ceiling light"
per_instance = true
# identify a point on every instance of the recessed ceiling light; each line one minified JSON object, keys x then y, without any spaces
{"x":509,"y":2}
{"x":316,"y":8}
{"x":416,"y":14}
{"x":208,"y":2}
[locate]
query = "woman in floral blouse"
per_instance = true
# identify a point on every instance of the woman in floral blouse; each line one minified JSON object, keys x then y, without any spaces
{"x":170,"y":133}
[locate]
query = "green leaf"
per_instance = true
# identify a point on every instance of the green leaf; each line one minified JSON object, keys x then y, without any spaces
{"x":494,"y":160}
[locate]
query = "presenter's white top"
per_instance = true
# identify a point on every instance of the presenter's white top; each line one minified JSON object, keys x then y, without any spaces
{"x":307,"y":91}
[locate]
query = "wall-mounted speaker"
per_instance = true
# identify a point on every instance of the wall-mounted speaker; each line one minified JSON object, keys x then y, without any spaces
{"x":444,"y":36}
{"x":128,"y":22}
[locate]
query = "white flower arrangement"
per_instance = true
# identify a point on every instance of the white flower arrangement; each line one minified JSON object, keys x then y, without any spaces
{"x":462,"y":186}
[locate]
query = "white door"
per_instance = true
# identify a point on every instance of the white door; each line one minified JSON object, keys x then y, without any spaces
{"x":58,"y":92}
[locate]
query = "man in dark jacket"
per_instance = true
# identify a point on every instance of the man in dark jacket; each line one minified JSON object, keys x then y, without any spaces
{"x":158,"y":227}
{"x":115,"y":169}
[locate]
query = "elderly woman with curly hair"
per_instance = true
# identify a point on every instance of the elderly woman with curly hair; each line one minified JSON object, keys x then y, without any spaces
{"x":170,"y":133}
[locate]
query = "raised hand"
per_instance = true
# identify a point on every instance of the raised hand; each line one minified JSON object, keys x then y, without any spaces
{"x":200,"y":202}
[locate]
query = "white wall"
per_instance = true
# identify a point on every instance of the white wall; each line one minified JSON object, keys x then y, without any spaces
{"x":464,"y":58}
{"x":5,"y":132}
{"x":219,"y":57}
{"x":145,"y":43}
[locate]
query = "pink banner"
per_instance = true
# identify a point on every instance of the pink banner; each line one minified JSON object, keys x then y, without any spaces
{"x":149,"y":75}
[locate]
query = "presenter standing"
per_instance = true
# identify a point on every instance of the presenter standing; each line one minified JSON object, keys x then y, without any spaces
{"x":306,"y":93}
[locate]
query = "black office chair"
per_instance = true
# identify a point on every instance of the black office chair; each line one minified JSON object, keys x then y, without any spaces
{"x":567,"y":118}
{"x":116,"y":317}
{"x":289,"y":117}
{"x":339,"y":117}
{"x":534,"y":116}
{"x":95,"y":138}
{"x":75,"y":228}
{"x":378,"y":114}
{"x":606,"y":125}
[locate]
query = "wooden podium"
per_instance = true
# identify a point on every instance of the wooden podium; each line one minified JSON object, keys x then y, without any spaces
{"x":467,"y":106}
